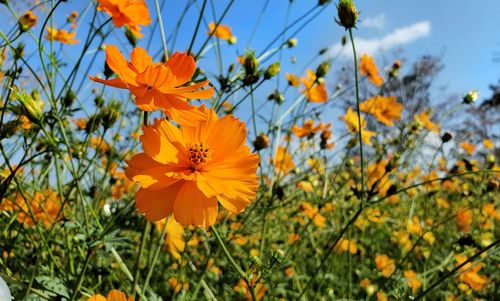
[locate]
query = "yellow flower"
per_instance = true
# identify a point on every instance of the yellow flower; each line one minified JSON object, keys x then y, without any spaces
{"x":368,"y":68}
{"x":293,"y":80}
{"x":426,"y":122}
{"x":173,"y":239}
{"x":314,"y":89}
{"x":351,"y":120}
{"x":384,"y":109}
{"x":468,"y":147}
{"x":487,"y":143}
{"x":283,"y":161}
{"x":385,"y":265}
{"x":469,"y":273}
{"x":413,"y":280}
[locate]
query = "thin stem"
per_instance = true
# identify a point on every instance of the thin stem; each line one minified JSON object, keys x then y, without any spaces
{"x":458,"y":267}
{"x":238,"y":269}
{"x":162,"y":30}
{"x":197,"y":26}
{"x":358,"y":111}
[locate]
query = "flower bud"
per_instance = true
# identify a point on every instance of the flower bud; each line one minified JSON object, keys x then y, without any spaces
{"x":69,"y":98}
{"x":446,"y":137}
{"x":232,"y":40}
{"x":250,"y":64}
{"x":292,"y":42}
{"x":470,"y":97}
{"x":272,"y":70}
{"x":31,"y":103}
{"x":347,"y":14}
{"x":261,"y":142}
{"x":109,"y":115}
{"x":27,"y":21}
{"x":132,"y":39}
{"x":278,"y":255}
{"x":322,"y":69}
{"x":18,"y":52}
{"x":277,"y":96}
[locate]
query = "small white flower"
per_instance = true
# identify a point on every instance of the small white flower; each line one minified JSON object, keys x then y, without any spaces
{"x":107,"y":209}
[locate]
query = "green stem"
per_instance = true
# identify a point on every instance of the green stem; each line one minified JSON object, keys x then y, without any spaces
{"x":238,"y":269}
{"x":358,"y":111}
{"x":137,"y":264}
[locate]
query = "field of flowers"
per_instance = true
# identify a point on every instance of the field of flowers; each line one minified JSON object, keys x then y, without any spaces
{"x":137,"y":167}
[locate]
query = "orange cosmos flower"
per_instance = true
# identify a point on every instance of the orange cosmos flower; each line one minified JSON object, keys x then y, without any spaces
{"x":174,"y":242}
{"x":368,"y":68}
{"x":292,"y":79}
{"x":308,"y":129}
{"x":384,"y":109}
{"x":222,"y":32}
{"x":315,"y":90}
{"x":283,"y":161}
{"x":113,"y":295}
{"x":27,"y":21}
{"x":188,"y":171}
{"x":351,"y":121}
{"x":469,"y":148}
{"x":61,"y":35}
{"x":469,"y":273}
{"x":385,"y":264}
{"x":158,"y":85}
{"x":427,"y":123}
{"x":131,"y":13}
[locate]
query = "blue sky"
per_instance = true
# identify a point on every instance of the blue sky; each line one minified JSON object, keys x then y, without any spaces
{"x":461,"y":32}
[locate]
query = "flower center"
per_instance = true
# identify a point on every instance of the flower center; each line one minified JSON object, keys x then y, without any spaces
{"x":199,"y":155}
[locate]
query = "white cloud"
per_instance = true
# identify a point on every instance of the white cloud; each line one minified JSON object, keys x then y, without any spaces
{"x":378,"y":22}
{"x":398,"y":37}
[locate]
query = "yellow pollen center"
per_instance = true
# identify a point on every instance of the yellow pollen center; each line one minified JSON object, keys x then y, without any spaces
{"x":199,"y":155}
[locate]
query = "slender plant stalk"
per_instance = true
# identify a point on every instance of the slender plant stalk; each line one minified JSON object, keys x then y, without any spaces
{"x":238,"y":269}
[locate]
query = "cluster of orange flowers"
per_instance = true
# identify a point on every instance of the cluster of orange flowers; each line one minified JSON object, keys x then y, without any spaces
{"x":183,"y":171}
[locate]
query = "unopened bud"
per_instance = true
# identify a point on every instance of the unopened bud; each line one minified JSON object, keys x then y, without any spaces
{"x":292,"y":42}
{"x":470,"y":97}
{"x":232,"y":40}
{"x":32,"y":106}
{"x":347,"y":14}
{"x":261,"y":142}
{"x":109,"y":115}
{"x":322,"y":69}
{"x":272,"y":70}
{"x":131,"y":37}
{"x":446,"y":137}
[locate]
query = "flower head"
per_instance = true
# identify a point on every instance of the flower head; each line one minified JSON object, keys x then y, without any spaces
{"x":314,"y":89}
{"x":188,"y":171}
{"x":222,"y":32}
{"x":174,"y":242}
{"x":283,"y":161}
{"x":428,"y":124}
{"x":385,"y":265}
{"x":158,"y":85}
{"x":308,"y":129}
{"x":61,"y":35}
{"x":368,"y":68}
{"x":352,"y":124}
{"x":384,"y":109}
{"x":131,"y":13}
{"x":27,"y":21}
{"x":113,"y":295}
